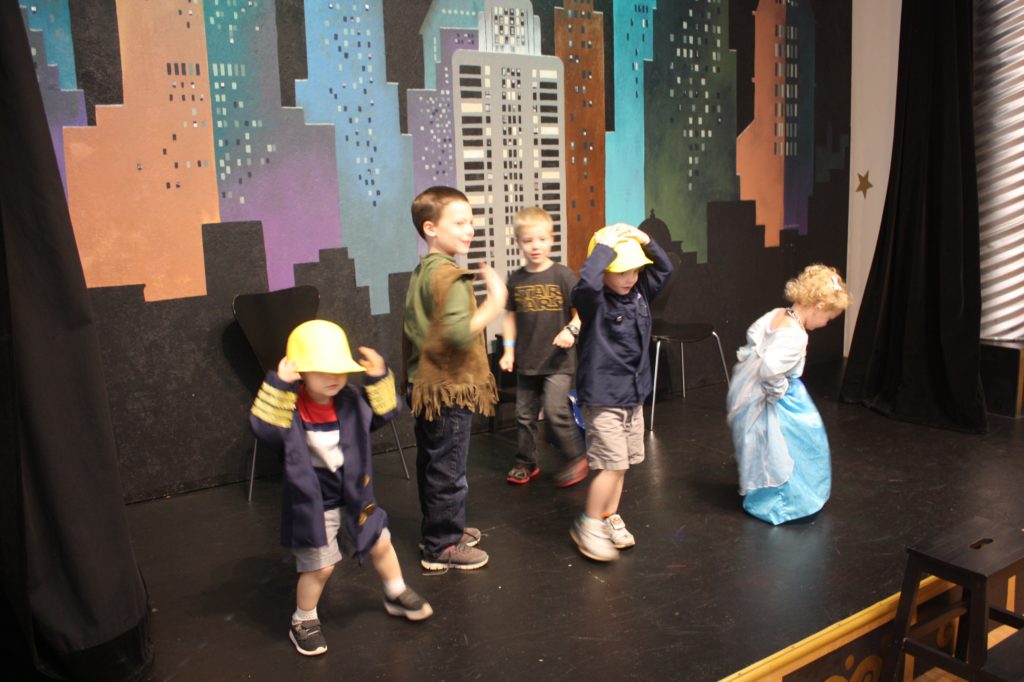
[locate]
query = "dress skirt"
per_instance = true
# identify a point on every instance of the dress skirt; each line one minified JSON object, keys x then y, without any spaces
{"x":781,"y":450}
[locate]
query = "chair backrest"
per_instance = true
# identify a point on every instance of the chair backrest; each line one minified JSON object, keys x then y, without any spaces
{"x":268,"y":318}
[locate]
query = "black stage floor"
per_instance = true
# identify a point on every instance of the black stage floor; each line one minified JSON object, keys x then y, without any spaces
{"x":706,"y":591}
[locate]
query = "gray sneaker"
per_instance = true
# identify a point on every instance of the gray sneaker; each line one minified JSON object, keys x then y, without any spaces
{"x":470,"y":536}
{"x":307,"y":638}
{"x":617,"y":532}
{"x":460,"y":557}
{"x":408,"y":605}
{"x":593,"y":543}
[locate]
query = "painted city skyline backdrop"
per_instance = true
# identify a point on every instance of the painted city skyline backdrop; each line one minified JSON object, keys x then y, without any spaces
{"x":202,"y":136}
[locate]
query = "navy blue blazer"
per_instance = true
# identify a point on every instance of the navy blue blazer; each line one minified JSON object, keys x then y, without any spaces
{"x":275,"y":419}
{"x":614,"y":367}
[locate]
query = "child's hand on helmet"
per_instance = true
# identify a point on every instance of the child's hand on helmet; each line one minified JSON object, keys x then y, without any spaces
{"x":612,"y":235}
{"x":639,"y":235}
{"x":372,"y":362}
{"x":287,"y":370}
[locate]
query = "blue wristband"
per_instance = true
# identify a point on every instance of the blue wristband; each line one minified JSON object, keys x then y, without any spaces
{"x":508,"y":344}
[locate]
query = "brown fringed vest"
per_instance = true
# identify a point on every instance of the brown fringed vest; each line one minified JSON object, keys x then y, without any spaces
{"x":448,"y":376}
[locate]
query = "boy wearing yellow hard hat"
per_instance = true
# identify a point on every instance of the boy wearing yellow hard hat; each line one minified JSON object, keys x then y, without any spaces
{"x":625,"y":269}
{"x":308,"y":409}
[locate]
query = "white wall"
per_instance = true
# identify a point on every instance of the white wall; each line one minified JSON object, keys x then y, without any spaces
{"x":875,"y":48}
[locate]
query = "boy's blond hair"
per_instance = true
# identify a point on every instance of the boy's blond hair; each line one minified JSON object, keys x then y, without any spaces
{"x":818,"y":285}
{"x":429,"y":204}
{"x":528,"y":217}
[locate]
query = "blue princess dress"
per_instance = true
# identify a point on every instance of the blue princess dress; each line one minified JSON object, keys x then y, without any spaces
{"x":781,"y":447}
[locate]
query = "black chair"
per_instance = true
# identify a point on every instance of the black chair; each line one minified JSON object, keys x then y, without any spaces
{"x":266,"y":319}
{"x":665,"y":330}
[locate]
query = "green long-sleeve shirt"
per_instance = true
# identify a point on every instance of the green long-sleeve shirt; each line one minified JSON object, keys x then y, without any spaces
{"x":419,"y":309}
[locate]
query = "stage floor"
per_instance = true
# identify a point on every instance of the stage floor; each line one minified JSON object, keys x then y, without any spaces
{"x":707,"y":590}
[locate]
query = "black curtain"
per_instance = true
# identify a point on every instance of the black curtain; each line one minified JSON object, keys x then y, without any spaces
{"x":71,"y":586}
{"x":915,"y":349}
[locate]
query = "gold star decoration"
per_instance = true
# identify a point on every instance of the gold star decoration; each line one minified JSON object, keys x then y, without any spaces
{"x":863,"y":184}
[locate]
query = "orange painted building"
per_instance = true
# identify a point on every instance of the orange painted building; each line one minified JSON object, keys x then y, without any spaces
{"x":579,"y":43}
{"x":142,"y":182}
{"x":761,"y":147}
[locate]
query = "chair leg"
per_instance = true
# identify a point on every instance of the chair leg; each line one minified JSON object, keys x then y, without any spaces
{"x":654,"y":391}
{"x":401,"y":452}
{"x":725,"y":367}
{"x":682,"y":367}
{"x":252,"y":467}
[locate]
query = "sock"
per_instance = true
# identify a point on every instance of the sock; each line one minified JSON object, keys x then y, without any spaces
{"x":592,"y":523}
{"x":393,"y":588}
{"x":301,"y":615}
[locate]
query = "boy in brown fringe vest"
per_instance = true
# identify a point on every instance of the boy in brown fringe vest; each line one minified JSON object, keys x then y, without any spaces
{"x":448,"y":373}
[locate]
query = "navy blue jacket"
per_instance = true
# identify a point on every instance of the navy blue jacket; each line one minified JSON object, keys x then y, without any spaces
{"x":275,"y":419}
{"x":614,"y":367}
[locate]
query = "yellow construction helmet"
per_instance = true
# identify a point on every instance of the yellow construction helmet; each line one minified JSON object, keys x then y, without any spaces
{"x":629,"y":255}
{"x":321,"y":346}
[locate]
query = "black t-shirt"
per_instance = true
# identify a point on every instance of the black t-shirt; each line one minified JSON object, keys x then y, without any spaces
{"x":541,"y":302}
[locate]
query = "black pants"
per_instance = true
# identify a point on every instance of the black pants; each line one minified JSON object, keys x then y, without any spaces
{"x":550,"y":391}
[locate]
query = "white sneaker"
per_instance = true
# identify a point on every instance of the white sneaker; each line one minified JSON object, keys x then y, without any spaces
{"x":593,"y":542}
{"x":617,"y":533}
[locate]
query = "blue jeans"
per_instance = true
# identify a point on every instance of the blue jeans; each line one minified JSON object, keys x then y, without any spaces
{"x":442,"y":451}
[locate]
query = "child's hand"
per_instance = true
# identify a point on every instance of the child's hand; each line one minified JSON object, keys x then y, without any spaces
{"x":565,"y":339}
{"x":613,"y":234}
{"x":639,"y":235}
{"x":497,"y":292}
{"x":507,"y":361}
{"x":372,"y":362}
{"x":287,"y":370}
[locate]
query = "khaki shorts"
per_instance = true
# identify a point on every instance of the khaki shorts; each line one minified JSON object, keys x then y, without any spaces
{"x":314,"y":558}
{"x":615,"y":436}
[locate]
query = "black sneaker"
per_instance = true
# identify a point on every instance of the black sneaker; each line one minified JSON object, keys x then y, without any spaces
{"x":408,"y":605}
{"x":307,"y":638}
{"x":458,"y":556}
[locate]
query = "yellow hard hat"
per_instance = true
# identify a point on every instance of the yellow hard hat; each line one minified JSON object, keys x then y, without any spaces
{"x":629,"y":254}
{"x":321,"y":346}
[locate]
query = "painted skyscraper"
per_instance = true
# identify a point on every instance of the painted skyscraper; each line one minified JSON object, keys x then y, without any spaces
{"x":774,"y":154}
{"x":431,"y":120}
{"x":53,"y":18}
{"x":633,"y":29}
{"x":509,"y":131}
{"x":157,"y":148}
{"x":346,"y":87}
{"x":691,"y":118}
{"x":271,"y":167}
{"x":444,"y":14}
{"x":64,"y":106}
{"x":579,"y":43}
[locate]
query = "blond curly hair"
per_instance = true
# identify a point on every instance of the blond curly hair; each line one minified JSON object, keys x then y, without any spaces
{"x":818,"y":284}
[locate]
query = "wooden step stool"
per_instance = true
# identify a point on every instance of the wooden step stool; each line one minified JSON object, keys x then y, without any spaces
{"x":973,"y":555}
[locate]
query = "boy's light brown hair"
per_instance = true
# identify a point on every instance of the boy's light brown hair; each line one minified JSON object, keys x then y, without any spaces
{"x":429,"y":204}
{"x":528,"y":217}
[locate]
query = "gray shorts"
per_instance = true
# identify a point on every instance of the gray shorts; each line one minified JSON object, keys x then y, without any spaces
{"x":615,"y":436}
{"x":314,"y":558}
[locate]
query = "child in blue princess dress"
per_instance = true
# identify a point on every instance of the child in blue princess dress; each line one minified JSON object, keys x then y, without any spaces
{"x":781,"y":448}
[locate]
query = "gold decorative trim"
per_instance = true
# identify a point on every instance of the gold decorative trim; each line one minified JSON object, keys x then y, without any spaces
{"x":274,"y":406}
{"x":382,"y":396}
{"x":793,"y":657}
